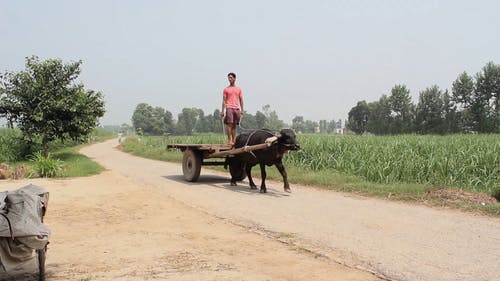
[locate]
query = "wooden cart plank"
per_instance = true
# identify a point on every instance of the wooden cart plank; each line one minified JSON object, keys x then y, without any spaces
{"x":249,"y":148}
{"x":208,"y":146}
{"x":222,"y":150}
{"x":237,"y":150}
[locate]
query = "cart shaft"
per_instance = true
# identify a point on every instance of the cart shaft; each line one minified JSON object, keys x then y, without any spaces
{"x":248,"y":148}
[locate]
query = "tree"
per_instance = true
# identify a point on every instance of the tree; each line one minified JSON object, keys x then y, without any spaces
{"x":126,"y":128}
{"x":272,"y":120}
{"x":249,"y":121}
{"x":260,"y":119}
{"x":47,"y":104}
{"x":142,"y":118}
{"x":401,"y":109}
{"x":485,"y":108}
{"x":331,"y":127}
{"x":463,"y":96}
{"x":8,"y":107}
{"x":478,"y":100}
{"x":298,"y":124}
{"x":358,"y":118}
{"x":186,"y":121}
{"x":217,"y":122}
{"x":152,"y":120}
{"x":202,"y":124}
{"x":310,"y":127}
{"x":379,"y":119}
{"x":451,"y":118}
{"x":429,"y":112}
{"x":168,"y":119}
{"x":158,"y":121}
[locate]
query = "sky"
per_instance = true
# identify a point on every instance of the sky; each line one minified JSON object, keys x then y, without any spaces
{"x":313,"y":58}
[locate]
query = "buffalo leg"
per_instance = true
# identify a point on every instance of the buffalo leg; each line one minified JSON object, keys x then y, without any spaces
{"x":282,"y":170}
{"x":233,"y":166}
{"x":263,"y":175}
{"x":248,"y":169}
{"x":233,"y":182}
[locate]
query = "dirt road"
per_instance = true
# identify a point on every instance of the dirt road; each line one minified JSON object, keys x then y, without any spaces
{"x":139,"y":220}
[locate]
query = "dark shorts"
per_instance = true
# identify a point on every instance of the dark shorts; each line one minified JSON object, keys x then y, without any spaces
{"x":233,"y":116}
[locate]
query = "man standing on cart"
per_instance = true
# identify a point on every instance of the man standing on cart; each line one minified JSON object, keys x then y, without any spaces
{"x":232,"y":107}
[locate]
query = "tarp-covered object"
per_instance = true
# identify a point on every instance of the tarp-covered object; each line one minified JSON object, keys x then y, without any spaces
{"x":21,"y":225}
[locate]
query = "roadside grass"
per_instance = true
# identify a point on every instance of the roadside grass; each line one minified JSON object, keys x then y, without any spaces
{"x":77,"y":165}
{"x":155,"y":148}
{"x":74,"y":164}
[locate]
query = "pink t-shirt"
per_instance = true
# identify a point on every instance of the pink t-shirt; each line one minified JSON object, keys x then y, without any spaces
{"x":232,"y":95}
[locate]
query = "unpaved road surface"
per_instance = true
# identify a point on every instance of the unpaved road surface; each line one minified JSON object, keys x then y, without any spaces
{"x":140,"y":220}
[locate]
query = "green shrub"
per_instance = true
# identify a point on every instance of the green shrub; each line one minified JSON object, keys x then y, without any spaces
{"x":8,"y":142}
{"x":13,"y":147}
{"x":46,"y":167}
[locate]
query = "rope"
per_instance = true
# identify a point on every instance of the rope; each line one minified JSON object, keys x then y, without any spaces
{"x":258,"y":130}
{"x":250,"y":136}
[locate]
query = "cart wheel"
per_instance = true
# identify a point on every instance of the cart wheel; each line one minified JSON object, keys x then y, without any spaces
{"x":41,"y":263}
{"x":191,"y":165}
{"x":237,"y":173}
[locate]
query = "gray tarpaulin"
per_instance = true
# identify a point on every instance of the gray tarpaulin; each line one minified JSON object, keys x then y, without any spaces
{"x":21,"y":227}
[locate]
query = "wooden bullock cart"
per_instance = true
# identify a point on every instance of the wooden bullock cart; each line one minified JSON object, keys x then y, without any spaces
{"x":196,"y":155}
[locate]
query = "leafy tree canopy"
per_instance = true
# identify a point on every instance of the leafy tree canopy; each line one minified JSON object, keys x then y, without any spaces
{"x":473,"y":106}
{"x":46,"y":103}
{"x":152,"y":120}
{"x":358,"y":117}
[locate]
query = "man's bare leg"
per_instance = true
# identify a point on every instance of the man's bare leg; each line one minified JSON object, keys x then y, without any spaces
{"x":233,"y":132}
{"x":229,"y":133}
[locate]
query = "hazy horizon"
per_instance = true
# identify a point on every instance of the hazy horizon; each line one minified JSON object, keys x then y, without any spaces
{"x":314,"y":59}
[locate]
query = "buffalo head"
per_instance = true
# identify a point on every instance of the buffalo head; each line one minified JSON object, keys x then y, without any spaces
{"x":287,"y":140}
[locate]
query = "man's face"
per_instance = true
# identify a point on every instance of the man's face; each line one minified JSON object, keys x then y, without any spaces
{"x":231,"y":79}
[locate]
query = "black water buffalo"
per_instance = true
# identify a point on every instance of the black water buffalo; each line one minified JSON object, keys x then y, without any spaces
{"x":242,"y":163}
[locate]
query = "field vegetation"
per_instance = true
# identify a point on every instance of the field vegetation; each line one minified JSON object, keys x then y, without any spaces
{"x":470,"y":162}
{"x":403,"y":167}
{"x":64,"y":160}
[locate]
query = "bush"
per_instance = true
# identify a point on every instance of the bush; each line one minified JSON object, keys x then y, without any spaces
{"x":9,"y":139}
{"x":13,"y":147}
{"x":46,"y":167}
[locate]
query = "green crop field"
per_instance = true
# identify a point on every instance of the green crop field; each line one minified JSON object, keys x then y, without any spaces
{"x":468,"y":161}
